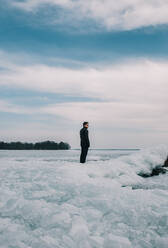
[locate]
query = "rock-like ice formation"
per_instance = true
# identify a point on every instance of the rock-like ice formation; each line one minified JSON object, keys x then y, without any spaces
{"x":47,"y":202}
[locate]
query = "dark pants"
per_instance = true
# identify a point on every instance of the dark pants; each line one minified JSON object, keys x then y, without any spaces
{"x":84,"y":150}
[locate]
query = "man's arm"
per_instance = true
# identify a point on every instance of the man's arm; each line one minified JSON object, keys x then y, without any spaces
{"x":87,"y":139}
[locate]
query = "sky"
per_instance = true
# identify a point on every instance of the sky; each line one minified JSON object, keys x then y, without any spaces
{"x":63,"y":62}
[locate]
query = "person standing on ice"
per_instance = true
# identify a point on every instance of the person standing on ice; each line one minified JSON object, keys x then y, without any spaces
{"x":84,"y":141}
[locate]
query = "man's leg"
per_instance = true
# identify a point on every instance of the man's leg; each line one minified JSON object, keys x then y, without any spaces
{"x":83,"y":155}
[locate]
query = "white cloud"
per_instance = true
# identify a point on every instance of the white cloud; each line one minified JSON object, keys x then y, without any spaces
{"x":145,"y":117}
{"x":132,"y":91}
{"x":121,"y":14}
{"x":29,"y":5}
{"x":105,"y":113}
{"x":8,"y":107}
{"x":111,"y":124}
{"x":130,"y":96}
{"x":141,"y":81}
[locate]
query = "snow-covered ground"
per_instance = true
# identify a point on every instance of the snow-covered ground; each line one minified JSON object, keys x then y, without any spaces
{"x":49,"y":200}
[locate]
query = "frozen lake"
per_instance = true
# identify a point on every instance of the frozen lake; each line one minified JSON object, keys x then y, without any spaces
{"x":49,"y":200}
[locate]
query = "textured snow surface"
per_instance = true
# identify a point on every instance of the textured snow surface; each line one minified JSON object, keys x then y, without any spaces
{"x":49,"y":200}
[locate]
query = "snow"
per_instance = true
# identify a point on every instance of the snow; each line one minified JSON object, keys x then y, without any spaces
{"x":48,"y":199}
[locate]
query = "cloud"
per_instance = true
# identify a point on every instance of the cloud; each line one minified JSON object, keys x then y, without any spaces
{"x":133,"y":92}
{"x":8,"y":107}
{"x":135,"y":82}
{"x":122,"y":101}
{"x":30,"y":5}
{"x":144,"y":117}
{"x":107,"y":119}
{"x":118,"y":15}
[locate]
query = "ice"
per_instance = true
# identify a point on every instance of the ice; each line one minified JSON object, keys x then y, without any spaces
{"x":117,"y":241}
{"x":49,"y":200}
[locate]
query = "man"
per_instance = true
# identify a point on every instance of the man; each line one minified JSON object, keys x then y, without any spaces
{"x":84,"y":141}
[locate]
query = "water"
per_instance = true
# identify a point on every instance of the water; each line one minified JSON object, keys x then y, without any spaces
{"x":65,"y":155}
{"x":48,"y":199}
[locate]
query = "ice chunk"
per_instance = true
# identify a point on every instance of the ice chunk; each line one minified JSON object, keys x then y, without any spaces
{"x":48,"y":199}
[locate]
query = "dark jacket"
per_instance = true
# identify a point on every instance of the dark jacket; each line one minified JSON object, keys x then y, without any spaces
{"x":84,"y":137}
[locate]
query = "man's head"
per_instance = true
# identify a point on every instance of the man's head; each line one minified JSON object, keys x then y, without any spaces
{"x":86,"y":124}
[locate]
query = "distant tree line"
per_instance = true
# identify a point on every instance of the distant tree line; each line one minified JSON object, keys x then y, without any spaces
{"x":45,"y":145}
